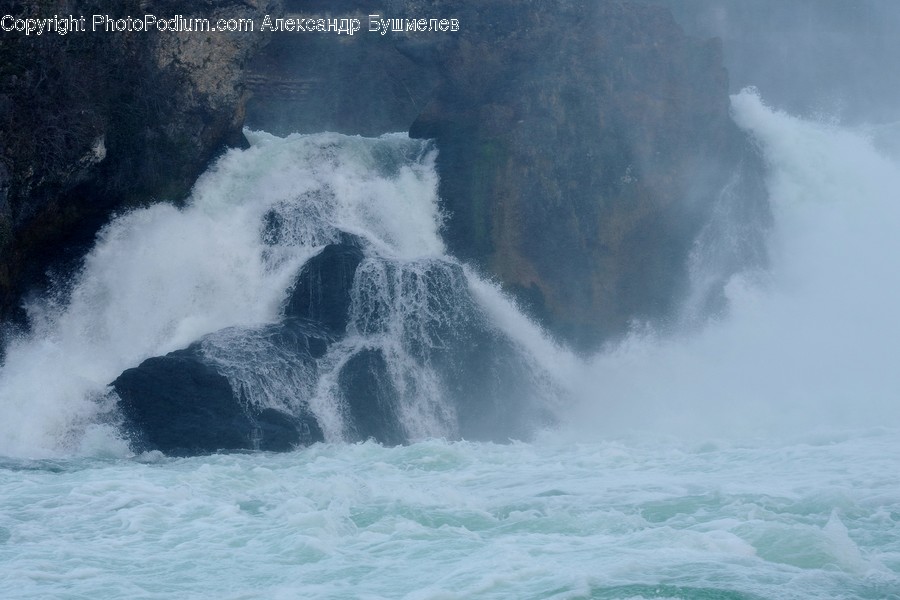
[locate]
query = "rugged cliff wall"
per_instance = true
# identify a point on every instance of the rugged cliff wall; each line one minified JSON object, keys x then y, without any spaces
{"x":583,"y":145}
{"x":91,"y":122}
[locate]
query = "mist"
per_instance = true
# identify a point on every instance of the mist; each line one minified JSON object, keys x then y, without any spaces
{"x":809,"y":344}
{"x":806,"y":343}
{"x":825,"y":59}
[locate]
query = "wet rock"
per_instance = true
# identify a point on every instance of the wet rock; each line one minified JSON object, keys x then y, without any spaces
{"x":322,"y":292}
{"x":445,"y":351}
{"x":362,"y":85}
{"x":182,"y":404}
{"x":371,"y":398}
{"x":276,"y":431}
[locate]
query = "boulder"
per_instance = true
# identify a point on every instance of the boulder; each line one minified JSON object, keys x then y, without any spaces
{"x":182,"y":404}
{"x":436,"y":333}
{"x":322,"y":292}
{"x":371,"y":399}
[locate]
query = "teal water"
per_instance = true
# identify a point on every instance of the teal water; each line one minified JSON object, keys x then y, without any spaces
{"x":641,"y":517}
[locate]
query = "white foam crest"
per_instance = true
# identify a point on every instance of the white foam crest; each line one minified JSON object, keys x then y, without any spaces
{"x":160,"y":278}
{"x":506,"y":315}
{"x":384,"y":189}
{"x":408,"y":309}
{"x":262,"y":369}
{"x":812,"y":347}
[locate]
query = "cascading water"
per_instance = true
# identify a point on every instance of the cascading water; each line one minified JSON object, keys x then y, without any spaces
{"x":223,"y":267}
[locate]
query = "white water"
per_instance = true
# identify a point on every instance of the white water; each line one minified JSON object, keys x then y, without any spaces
{"x":160,"y":278}
{"x":438,"y":520}
{"x":810,"y":344}
{"x":756,"y":458}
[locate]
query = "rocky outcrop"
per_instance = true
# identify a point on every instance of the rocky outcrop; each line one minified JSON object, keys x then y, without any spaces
{"x":582,"y":144}
{"x":359,"y":85}
{"x":371,"y":399}
{"x":181,"y":405}
{"x":236,"y":389}
{"x":92,"y":122}
{"x":389,"y":350}
{"x":439,"y":345}
{"x":581,"y":149}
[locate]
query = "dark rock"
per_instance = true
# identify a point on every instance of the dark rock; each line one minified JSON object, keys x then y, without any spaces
{"x":371,"y":398}
{"x":210,"y":396}
{"x":322,"y":291}
{"x":362,"y":85}
{"x":426,"y":307}
{"x":280,"y":432}
{"x":91,"y":123}
{"x":183,"y":403}
{"x":180,"y":405}
{"x":5,"y":221}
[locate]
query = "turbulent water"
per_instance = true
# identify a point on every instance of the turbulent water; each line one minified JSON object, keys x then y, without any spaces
{"x":754,"y":458}
{"x":618,"y":519}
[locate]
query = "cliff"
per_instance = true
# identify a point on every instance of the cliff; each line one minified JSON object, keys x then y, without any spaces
{"x":581,"y":161}
{"x":93,"y":122}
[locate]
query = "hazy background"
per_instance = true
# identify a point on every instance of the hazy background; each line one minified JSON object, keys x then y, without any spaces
{"x":834,"y":58}
{"x":809,"y":342}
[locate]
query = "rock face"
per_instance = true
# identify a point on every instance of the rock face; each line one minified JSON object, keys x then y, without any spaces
{"x":371,"y":399}
{"x":182,"y":404}
{"x":440,"y":346}
{"x":582,"y":144}
{"x":581,"y":150}
{"x":92,"y":122}
{"x":585,"y":147}
{"x":360,"y":85}
{"x":322,"y":292}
